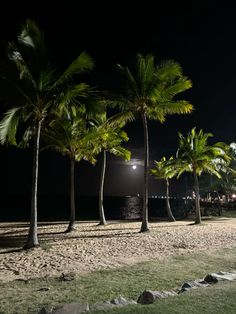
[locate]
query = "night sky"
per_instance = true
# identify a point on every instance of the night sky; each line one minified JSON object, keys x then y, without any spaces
{"x":200,"y":35}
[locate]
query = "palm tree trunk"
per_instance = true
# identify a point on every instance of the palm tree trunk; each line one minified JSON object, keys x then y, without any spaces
{"x":32,"y":240}
{"x":198,"y":219}
{"x":101,"y":192}
{"x":219,"y":204}
{"x":168,"y":209}
{"x":227,"y":200}
{"x":144,"y":226}
{"x":71,"y":226}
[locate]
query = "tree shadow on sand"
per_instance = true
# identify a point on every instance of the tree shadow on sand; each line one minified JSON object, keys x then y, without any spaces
{"x":4,"y":225}
{"x":104,"y":228}
{"x":18,"y":240}
{"x":108,"y":236}
{"x":15,"y":242}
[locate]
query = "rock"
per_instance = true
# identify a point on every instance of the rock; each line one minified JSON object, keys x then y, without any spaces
{"x":193,"y":285}
{"x":67,"y":277}
{"x":102,"y":306}
{"x":107,"y":305}
{"x":121,"y":301}
{"x":44,"y":289}
{"x":222,"y":275}
{"x":148,"y":296}
{"x":45,"y":310}
{"x":71,"y":308}
{"x":23,"y":280}
{"x":210,"y":279}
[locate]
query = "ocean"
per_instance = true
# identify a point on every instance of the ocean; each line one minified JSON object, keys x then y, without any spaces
{"x":57,"y":208}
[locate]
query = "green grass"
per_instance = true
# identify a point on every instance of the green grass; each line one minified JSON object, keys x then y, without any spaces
{"x":229,"y":213}
{"x":20,"y":297}
{"x":219,"y":299}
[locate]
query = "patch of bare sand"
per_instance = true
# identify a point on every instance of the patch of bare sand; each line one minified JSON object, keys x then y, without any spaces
{"x":94,"y":248}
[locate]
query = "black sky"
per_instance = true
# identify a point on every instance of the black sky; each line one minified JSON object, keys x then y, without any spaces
{"x":200,"y":35}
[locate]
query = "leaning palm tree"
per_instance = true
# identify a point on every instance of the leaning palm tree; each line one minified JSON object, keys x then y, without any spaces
{"x":70,"y":136}
{"x":150,"y":92}
{"x":196,"y":156}
{"x":34,"y":87}
{"x":165,"y":170}
{"x":110,"y":136}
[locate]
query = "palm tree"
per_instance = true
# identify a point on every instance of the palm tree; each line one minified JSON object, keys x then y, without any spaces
{"x":165,"y":170}
{"x":109,"y":138}
{"x":196,"y":156}
{"x":71,"y":137}
{"x":150,"y":92}
{"x":38,"y":88}
{"x":227,"y":182}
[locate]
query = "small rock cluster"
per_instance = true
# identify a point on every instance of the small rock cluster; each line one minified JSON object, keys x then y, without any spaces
{"x":146,"y":297}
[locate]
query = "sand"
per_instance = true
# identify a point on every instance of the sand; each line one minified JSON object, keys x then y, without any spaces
{"x":118,"y":244}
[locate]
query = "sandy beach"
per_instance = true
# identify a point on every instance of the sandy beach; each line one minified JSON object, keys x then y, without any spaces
{"x":94,"y":248}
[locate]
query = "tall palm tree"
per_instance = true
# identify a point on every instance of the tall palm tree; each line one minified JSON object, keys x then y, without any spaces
{"x":110,"y":136}
{"x":38,"y":88}
{"x":227,"y":182}
{"x":150,"y":92}
{"x":165,"y":170}
{"x":197,"y":156}
{"x":71,"y":137}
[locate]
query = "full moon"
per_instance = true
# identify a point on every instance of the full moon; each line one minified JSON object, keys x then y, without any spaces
{"x":134,"y":167}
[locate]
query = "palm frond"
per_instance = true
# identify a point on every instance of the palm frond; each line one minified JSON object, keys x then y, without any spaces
{"x":145,"y":73}
{"x":155,"y":113}
{"x":27,"y":135}
{"x":152,"y":88}
{"x":15,"y":87}
{"x":120,"y":102}
{"x":8,"y":126}
{"x":119,"y":120}
{"x":195,"y":152}
{"x":121,"y":152}
{"x":82,"y":64}
{"x":129,"y":78}
{"x":165,"y":168}
{"x":54,"y":142}
{"x":15,"y":56}
{"x":46,"y":79}
{"x":31,"y":35}
{"x":168,"y":70}
{"x":72,"y":95}
{"x":166,"y":91}
{"x":176,"y":107}
{"x":93,"y":105}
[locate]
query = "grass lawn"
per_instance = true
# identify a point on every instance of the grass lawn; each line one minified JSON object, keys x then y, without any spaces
{"x":20,"y":297}
{"x":229,"y":213}
{"x":218,"y":299}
